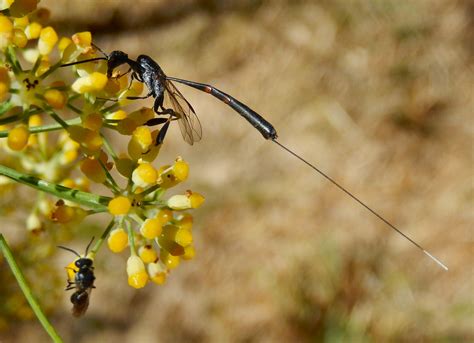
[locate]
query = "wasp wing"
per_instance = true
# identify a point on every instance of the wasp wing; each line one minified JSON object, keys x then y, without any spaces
{"x":80,"y":302}
{"x":188,"y":121}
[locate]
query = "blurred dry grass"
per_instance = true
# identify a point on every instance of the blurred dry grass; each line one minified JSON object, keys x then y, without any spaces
{"x":380,"y":95}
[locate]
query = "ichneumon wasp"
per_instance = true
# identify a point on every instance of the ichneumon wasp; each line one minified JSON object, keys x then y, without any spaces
{"x":160,"y":86}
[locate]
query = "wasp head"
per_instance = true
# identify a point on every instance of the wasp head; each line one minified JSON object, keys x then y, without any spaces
{"x":115,"y":59}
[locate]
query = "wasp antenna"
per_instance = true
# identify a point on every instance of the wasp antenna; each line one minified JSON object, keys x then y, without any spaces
{"x":89,"y":245}
{"x":103,"y":53}
{"x":68,"y":249}
{"x":84,"y":61}
{"x":361,"y":203}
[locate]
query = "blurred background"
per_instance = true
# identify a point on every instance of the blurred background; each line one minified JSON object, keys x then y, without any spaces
{"x":379,"y":94}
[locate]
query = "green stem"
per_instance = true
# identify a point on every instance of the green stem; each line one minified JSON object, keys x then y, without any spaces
{"x":131,"y":239}
{"x":97,"y":202}
{"x":101,"y":240}
{"x":45,"y":128}
{"x":20,"y":278}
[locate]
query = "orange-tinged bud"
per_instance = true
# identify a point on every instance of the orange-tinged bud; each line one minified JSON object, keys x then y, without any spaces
{"x":4,"y":83}
{"x":93,"y":170}
{"x":19,"y":38}
{"x":164,"y":216}
{"x":82,"y":39}
{"x":93,"y":121}
{"x":55,"y":98}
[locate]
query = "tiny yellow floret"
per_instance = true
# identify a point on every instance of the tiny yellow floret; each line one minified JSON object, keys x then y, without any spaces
{"x":157,"y":272}
{"x":148,"y":254}
{"x":169,"y":260}
{"x":137,"y":276}
{"x":179,"y":202}
{"x":118,"y":240}
{"x":151,"y":228}
{"x":196,"y":200}
{"x":6,"y":31}
{"x":47,"y":39}
{"x":55,"y":98}
{"x":19,"y":38}
{"x":18,"y":137}
{"x":189,"y":253}
{"x":82,"y":39}
{"x":164,"y":216}
{"x":4,"y":4}
{"x":144,"y":175}
{"x":64,"y":42}
{"x":33,"y":30}
{"x":181,"y":170}
{"x":93,"y":121}
{"x":90,"y":83}
{"x":119,"y":206}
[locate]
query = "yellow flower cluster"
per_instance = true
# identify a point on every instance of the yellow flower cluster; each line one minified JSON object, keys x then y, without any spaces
{"x":55,"y":129}
{"x":164,"y":233}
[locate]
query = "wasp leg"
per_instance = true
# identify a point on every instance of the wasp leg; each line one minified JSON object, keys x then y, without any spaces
{"x":161,"y":135}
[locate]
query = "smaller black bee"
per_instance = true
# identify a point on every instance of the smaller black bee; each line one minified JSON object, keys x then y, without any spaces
{"x":83,"y":282}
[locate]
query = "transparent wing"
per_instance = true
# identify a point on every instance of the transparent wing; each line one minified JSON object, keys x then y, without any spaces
{"x":188,"y":121}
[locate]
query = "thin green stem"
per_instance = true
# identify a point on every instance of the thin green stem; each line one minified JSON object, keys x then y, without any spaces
{"x":109,"y":148}
{"x":45,"y":128}
{"x":20,"y":278}
{"x":115,"y":187}
{"x":131,"y":239}
{"x":58,"y":119}
{"x":104,"y":236}
{"x":97,"y":202}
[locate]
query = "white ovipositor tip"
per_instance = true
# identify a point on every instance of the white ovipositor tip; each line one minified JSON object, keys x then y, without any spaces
{"x":436,"y":260}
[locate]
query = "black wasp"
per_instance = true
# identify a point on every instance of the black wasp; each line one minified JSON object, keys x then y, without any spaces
{"x":83,"y":281}
{"x":161,"y":88}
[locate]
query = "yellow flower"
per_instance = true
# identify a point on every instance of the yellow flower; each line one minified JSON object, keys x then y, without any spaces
{"x":137,"y":276}
{"x":118,"y":240}
{"x":151,"y":228}
{"x":148,"y":254}
{"x":157,"y":272}
{"x":18,"y":137}
{"x":6,"y":31}
{"x":91,"y":83}
{"x":47,"y":39}
{"x":119,"y":206}
{"x":144,"y":175}
{"x":4,"y":4}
